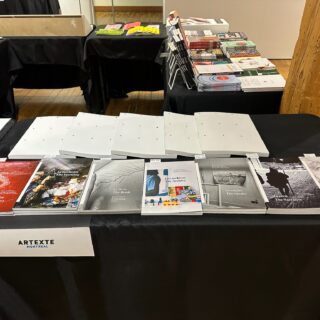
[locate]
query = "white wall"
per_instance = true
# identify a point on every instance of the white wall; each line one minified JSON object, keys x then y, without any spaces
{"x":73,"y":7}
{"x":273,"y":24}
{"x":128,"y":2}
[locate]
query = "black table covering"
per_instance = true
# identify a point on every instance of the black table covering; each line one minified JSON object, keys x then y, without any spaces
{"x":9,"y":65}
{"x":227,"y":267}
{"x":182,"y":100}
{"x":17,"y":7}
{"x":121,"y":64}
{"x":50,"y":62}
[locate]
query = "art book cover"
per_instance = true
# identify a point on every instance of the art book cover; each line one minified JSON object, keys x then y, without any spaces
{"x":287,"y":184}
{"x":14,"y":175}
{"x":229,"y":186}
{"x":312,"y":164}
{"x":56,"y":184}
{"x":114,"y":187}
{"x":172,"y":188}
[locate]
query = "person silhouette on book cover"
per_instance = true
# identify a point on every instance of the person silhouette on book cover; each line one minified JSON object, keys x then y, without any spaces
{"x":152,"y":183}
{"x":278,"y":180}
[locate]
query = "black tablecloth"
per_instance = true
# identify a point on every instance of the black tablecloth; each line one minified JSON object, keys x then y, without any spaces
{"x":9,"y":65}
{"x":50,"y":62}
{"x":243,"y":267}
{"x":182,"y":100}
{"x":17,"y":7}
{"x":121,"y":64}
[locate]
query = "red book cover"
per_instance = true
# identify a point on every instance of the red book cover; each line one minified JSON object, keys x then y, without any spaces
{"x":14,"y":175}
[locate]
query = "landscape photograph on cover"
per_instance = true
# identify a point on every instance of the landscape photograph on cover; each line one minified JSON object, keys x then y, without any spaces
{"x":171,"y":185}
{"x":116,"y":186}
{"x":313,"y":164}
{"x":288,"y":184}
{"x":228,"y":183}
{"x":58,"y":183}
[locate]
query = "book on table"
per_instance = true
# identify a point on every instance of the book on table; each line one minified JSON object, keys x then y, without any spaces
{"x":172,"y":188}
{"x":90,"y":136}
{"x":181,"y":134}
{"x":14,"y":175}
{"x":140,"y":136}
{"x":224,"y":134}
{"x":114,"y":187}
{"x":55,"y":187}
{"x":229,"y":187}
{"x":312,"y":164}
{"x":286,"y":185}
{"x":45,"y":137}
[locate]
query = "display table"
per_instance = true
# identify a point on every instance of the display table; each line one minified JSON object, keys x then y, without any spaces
{"x":9,"y":65}
{"x":121,"y":64}
{"x":15,"y":7}
{"x":182,"y":100}
{"x":50,"y":62}
{"x":243,"y":267}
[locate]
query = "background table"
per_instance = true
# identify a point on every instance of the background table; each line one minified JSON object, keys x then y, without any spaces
{"x":182,"y":100}
{"x":9,"y":65}
{"x":227,"y":267}
{"x":50,"y":62}
{"x":16,"y":7}
{"x":121,"y":64}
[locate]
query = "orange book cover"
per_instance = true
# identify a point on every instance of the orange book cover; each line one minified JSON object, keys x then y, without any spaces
{"x":14,"y":175}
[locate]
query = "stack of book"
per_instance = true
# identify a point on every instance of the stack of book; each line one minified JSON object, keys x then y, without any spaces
{"x":243,"y":48}
{"x":141,"y":136}
{"x":203,"y":42}
{"x":209,"y":83}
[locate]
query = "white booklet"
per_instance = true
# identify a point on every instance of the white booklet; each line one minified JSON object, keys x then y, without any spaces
{"x":253,"y":63}
{"x":90,"y":136}
{"x":218,"y":68}
{"x":225,"y":134}
{"x":181,"y":135}
{"x":140,"y":136}
{"x":263,"y":83}
{"x":44,"y":138}
{"x":172,"y":188}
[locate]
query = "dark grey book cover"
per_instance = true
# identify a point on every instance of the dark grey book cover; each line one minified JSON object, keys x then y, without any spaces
{"x":229,"y":186}
{"x":115,"y":187}
{"x":287,"y":184}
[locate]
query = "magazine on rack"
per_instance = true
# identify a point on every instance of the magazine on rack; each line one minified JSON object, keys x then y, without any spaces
{"x":55,"y":187}
{"x":114,"y":187}
{"x":172,"y":188}
{"x":229,"y":187}
{"x":286,"y":186}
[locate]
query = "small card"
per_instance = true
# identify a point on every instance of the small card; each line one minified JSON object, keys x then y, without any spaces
{"x":50,"y":242}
